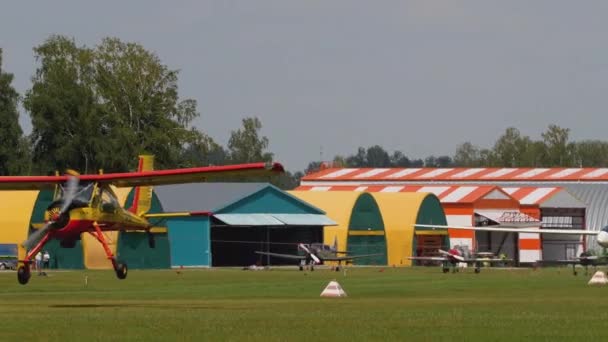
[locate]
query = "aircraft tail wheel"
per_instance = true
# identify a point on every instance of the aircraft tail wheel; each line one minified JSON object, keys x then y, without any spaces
{"x":23,"y":274}
{"x":121,"y":271}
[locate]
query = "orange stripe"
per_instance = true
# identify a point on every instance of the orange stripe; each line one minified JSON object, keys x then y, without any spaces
{"x":496,"y":203}
{"x":529,"y":244}
{"x":459,"y":233}
{"x":458,"y":210}
{"x":522,"y":192}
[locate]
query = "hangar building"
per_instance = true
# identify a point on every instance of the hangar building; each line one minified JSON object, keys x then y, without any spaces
{"x":370,"y":223}
{"x":581,"y":185}
{"x":230,"y":221}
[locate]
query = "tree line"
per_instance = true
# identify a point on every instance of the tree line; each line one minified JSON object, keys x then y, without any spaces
{"x":512,"y":149}
{"x":99,"y":107}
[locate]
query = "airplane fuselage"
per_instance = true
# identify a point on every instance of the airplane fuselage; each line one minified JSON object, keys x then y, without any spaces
{"x":81,"y":220}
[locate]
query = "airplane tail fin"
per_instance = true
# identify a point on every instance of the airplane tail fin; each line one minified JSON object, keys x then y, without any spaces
{"x":142,"y":201}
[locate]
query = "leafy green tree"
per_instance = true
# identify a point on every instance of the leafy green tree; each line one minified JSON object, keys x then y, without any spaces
{"x":590,"y":153}
{"x":357,"y":160}
{"x":13,"y":146}
{"x":140,"y":99}
{"x":467,"y":155}
{"x":204,"y":151}
{"x":67,"y":127}
{"x":246,"y":145}
{"x":376,"y":156}
{"x":509,"y":148}
{"x":338,"y":161}
{"x":398,"y":159}
{"x":556,"y":144}
{"x":100,"y":108}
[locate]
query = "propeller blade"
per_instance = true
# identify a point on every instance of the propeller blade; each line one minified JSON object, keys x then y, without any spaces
{"x":312,"y":255}
{"x":33,"y":239}
{"x":69,"y":193}
{"x":457,"y":257}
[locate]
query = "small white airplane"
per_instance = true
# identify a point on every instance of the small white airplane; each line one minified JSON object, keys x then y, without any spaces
{"x":455,"y":256}
{"x":317,"y":254}
{"x":586,"y":259}
{"x":602,"y":235}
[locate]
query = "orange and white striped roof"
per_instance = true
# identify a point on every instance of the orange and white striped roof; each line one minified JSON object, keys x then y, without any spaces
{"x":459,"y":174}
{"x":454,"y":193}
{"x":532,"y":195}
{"x":445,"y":193}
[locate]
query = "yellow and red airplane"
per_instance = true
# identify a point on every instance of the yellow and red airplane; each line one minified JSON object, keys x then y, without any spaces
{"x":87,"y":203}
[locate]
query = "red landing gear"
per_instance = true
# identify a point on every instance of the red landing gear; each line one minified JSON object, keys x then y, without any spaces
{"x":119,"y":268}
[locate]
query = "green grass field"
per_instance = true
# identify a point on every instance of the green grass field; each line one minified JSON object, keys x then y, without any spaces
{"x":284,"y":305}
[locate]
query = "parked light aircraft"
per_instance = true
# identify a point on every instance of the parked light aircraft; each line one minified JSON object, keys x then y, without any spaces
{"x":602,"y":235}
{"x":87,"y":204}
{"x":453,"y":257}
{"x":317,"y":254}
{"x":586,"y":259}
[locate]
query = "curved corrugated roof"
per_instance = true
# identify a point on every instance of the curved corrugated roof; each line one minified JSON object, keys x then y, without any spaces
{"x":596,"y":198}
{"x":399,"y":213}
{"x":16,"y":212}
{"x":338,"y":206}
{"x":445,"y":193}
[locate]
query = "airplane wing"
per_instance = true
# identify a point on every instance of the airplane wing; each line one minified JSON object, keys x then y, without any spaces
{"x":156,"y":177}
{"x":488,"y":260}
{"x":593,"y":260}
{"x":428,"y":258}
{"x":347,"y":258}
{"x":284,"y":256}
{"x":514,"y":230}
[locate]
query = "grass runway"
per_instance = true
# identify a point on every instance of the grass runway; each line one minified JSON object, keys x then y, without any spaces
{"x":383,"y":304}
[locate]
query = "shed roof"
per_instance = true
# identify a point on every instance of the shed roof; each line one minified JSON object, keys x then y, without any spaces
{"x":203,"y":196}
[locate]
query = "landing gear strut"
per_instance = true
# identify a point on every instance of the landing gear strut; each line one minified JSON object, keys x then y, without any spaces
{"x":119,"y":268}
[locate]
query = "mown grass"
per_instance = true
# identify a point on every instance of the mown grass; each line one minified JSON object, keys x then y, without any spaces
{"x":284,"y":305}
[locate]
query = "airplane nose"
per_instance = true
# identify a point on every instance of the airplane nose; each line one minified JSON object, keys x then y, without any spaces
{"x":602,"y":239}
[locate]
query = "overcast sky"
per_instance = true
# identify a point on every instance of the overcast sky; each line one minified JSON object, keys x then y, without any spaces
{"x":416,"y":76}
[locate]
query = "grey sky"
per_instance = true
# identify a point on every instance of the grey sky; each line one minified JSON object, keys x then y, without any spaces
{"x":416,"y":76}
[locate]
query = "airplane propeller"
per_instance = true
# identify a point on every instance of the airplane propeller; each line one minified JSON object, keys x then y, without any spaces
{"x":68,"y":198}
{"x":312,"y":255}
{"x":453,"y":255}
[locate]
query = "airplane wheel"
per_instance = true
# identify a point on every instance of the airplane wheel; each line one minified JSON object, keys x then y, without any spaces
{"x":574,"y":273}
{"x":477,"y":270}
{"x":312,"y":268}
{"x":301,"y":268}
{"x":338,"y":269}
{"x":23,"y":275}
{"x":446,"y":270}
{"x":121,"y":271}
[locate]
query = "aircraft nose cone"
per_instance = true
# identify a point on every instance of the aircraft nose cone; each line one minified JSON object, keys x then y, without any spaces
{"x":602,"y":239}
